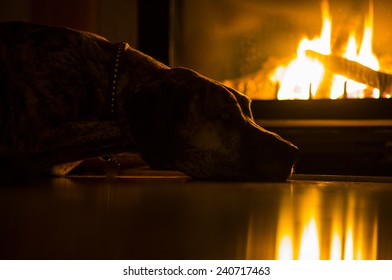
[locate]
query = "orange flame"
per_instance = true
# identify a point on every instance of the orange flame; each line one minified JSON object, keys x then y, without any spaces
{"x":302,"y":77}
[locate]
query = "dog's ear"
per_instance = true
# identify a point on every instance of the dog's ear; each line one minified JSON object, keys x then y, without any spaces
{"x":243,"y":101}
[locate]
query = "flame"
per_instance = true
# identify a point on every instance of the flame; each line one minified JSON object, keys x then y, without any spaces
{"x":303,"y":76}
{"x":366,"y":55}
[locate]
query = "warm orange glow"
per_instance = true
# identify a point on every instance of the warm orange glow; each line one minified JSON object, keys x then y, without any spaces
{"x":302,"y":77}
{"x":349,"y":246}
{"x":366,"y":55}
{"x":336,"y":247}
{"x":285,"y":251}
{"x":310,"y":248}
{"x":348,"y":235}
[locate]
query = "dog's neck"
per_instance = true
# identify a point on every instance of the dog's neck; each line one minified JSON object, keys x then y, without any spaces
{"x":119,"y":52}
{"x":125,"y":80}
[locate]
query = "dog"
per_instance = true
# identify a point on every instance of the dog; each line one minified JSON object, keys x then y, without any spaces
{"x":68,"y":95}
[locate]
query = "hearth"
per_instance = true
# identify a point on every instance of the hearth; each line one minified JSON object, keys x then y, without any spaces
{"x":344,"y":137}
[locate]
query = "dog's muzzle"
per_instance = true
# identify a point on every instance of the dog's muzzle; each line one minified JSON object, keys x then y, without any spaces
{"x":269,"y":156}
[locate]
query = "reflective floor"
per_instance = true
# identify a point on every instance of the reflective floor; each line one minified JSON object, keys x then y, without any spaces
{"x":175,"y":218}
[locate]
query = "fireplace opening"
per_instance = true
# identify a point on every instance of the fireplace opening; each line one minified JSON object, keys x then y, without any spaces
{"x":317,"y":72}
{"x":322,"y":68}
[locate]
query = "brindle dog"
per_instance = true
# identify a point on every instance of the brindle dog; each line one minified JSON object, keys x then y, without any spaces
{"x":67,"y":95}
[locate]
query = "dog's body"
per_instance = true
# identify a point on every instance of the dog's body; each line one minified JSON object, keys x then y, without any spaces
{"x":67,"y":95}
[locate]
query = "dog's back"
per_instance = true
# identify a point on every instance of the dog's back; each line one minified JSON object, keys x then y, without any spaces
{"x":48,"y":76}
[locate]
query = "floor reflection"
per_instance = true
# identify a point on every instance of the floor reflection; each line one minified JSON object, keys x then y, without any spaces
{"x":340,"y":226}
{"x":324,"y":220}
{"x":96,"y":218}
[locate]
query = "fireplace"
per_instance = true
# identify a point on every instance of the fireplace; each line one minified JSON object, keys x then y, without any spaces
{"x":261,"y":48}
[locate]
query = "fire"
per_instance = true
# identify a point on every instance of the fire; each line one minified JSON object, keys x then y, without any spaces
{"x":305,"y":78}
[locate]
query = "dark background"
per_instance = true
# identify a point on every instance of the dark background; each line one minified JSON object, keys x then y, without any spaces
{"x":222,"y":39}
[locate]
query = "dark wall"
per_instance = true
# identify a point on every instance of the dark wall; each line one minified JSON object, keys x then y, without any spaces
{"x":113,"y":19}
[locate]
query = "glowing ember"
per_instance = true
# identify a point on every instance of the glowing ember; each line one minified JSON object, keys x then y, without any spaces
{"x":303,"y":76}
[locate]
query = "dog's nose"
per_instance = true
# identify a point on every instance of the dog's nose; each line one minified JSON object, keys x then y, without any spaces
{"x":276,"y":160}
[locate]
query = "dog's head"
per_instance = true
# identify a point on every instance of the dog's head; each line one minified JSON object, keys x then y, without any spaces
{"x":190,"y":123}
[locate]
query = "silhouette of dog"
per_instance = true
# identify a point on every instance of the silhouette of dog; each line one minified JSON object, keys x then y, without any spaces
{"x":67,"y":95}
